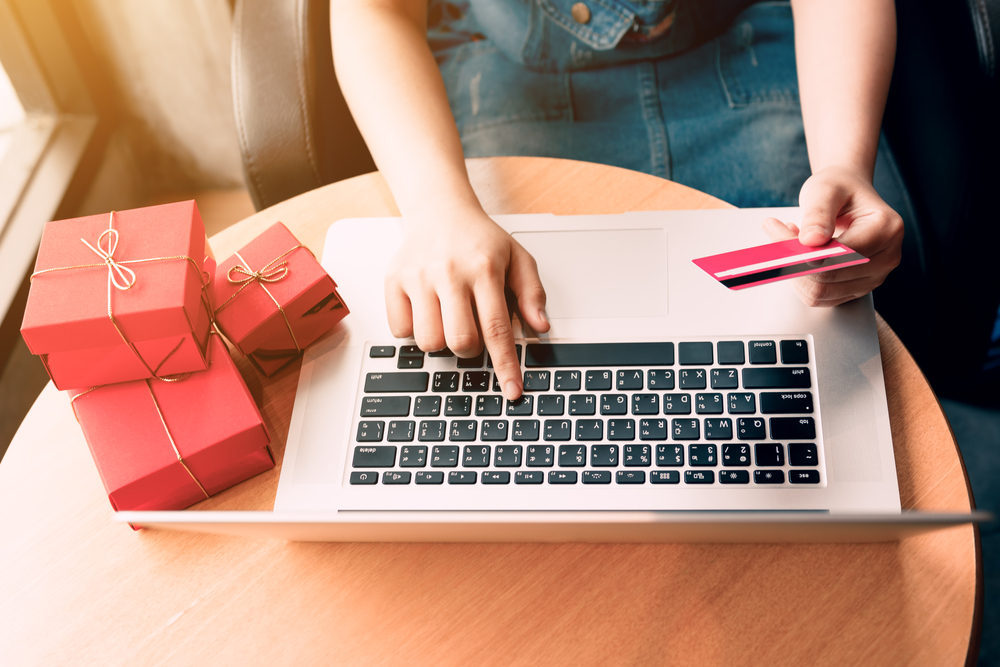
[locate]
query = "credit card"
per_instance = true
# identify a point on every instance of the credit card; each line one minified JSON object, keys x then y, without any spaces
{"x":769,"y":263}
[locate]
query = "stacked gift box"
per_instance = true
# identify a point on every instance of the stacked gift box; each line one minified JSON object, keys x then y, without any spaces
{"x":125,"y":311}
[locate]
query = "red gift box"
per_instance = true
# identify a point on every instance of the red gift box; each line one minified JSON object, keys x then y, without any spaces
{"x":122,"y":296}
{"x":273,"y":299}
{"x":167,"y":445}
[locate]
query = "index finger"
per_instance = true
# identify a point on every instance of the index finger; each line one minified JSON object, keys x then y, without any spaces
{"x":498,"y":335}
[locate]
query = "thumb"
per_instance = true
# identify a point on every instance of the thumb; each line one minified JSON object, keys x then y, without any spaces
{"x":522,"y":277}
{"x":821,"y":203}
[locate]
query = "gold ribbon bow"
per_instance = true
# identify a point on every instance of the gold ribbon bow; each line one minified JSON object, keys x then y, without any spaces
{"x":116,"y":271}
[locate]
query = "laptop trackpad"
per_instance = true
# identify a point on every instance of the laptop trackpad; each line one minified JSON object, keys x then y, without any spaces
{"x":601,"y":273}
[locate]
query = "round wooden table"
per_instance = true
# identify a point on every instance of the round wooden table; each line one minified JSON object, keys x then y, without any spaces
{"x":76,"y":588}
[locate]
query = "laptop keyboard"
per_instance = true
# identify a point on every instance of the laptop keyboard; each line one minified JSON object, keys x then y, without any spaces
{"x":710,"y":413}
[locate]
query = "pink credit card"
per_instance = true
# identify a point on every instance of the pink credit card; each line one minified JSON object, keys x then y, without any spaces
{"x":776,"y":261}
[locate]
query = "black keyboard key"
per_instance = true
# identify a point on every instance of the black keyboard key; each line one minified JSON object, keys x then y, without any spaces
{"x":630,"y":476}
{"x":736,"y":455}
{"x":562,"y":477}
{"x":763,"y":352}
{"x":552,"y":405}
{"x":803,"y":454}
{"x":489,"y":406}
{"x":742,"y":403}
{"x":430,"y":477}
{"x":427,"y":406}
{"x":462,"y":430}
{"x":652,"y":429}
{"x":563,"y":355}
{"x":522,"y":407}
{"x":699,"y":477}
{"x":734,"y":477}
{"x":496,"y":477}
{"x":445,"y":381}
{"x":708,"y":404}
{"x":596,"y":476}
{"x":507,"y":456}
{"x":793,"y":428}
{"x":769,"y":476}
{"x":660,"y":379}
{"x":694,"y":354}
{"x":567,"y":381}
{"x":583,"y":404}
{"x":364,"y":478}
{"x":700,"y":456}
{"x":444,"y":456}
{"x":769,"y":455}
{"x":614,"y":404}
{"x":803,"y":476}
{"x":524,"y":430}
{"x":670,"y":455}
{"x":540,"y":456}
{"x":411,"y":351}
{"x":719,"y":429}
{"x":645,"y":404}
{"x":471,"y":362}
{"x":537,"y":380}
{"x":382,"y":351}
{"x":401,"y":431}
{"x":494,"y":430}
{"x":389,"y":383}
{"x":556,"y":429}
{"x":664,"y":477}
{"x":412,"y":457}
{"x":598,"y":380}
{"x":443,"y":352}
{"x":410,"y":363}
{"x":458,"y":406}
{"x":374,"y":457}
{"x":385,"y":406}
{"x":431,"y":430}
{"x":636,"y":456}
{"x":621,"y":429}
{"x":628,"y":380}
{"x":462,"y":477}
{"x":589,"y":429}
{"x":573,"y":456}
{"x":476,"y":381}
{"x":685,"y":429}
{"x":786,"y":402}
{"x":529,"y":477}
{"x":748,"y":428}
{"x":604,"y":456}
{"x":370,"y":431}
{"x":776,"y":378}
{"x":725,"y":378}
{"x":693,"y":378}
{"x":731,"y":352}
{"x":794,"y":352}
{"x":395,"y":477}
{"x":496,"y":384}
{"x":476,"y":456}
{"x":676,"y":404}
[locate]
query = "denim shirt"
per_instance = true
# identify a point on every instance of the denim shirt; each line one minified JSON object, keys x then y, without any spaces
{"x":543,"y":35}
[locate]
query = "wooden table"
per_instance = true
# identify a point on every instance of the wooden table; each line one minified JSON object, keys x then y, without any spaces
{"x":76,"y":588}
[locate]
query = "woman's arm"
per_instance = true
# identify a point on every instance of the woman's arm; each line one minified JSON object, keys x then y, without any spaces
{"x":446,"y":284}
{"x":844,"y":53}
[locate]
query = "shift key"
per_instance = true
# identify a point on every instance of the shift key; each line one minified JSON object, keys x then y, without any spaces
{"x":776,"y":378}
{"x":396,"y":382}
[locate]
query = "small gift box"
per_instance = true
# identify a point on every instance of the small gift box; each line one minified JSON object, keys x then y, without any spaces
{"x":166,"y":445}
{"x":272,"y":299}
{"x":121,"y":296}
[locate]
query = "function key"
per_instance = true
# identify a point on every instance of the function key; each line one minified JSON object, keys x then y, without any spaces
{"x":598,"y":380}
{"x":694,"y":354}
{"x":395,"y":477}
{"x":430,"y":477}
{"x":769,"y":476}
{"x":496,"y":477}
{"x":446,"y":381}
{"x":665,"y":477}
{"x":699,"y":477}
{"x":364,"y":478}
{"x":529,"y":477}
{"x":803,"y":454}
{"x":374,"y":457}
{"x":693,"y":378}
{"x":731,"y":352}
{"x":443,"y":352}
{"x":382,"y":351}
{"x":794,"y":352}
{"x":471,"y":362}
{"x":462,"y":477}
{"x":660,"y":379}
{"x":385,"y":406}
{"x":734,"y":477}
{"x":763,"y":352}
{"x":630,"y":379}
{"x":630,"y":476}
{"x":567,"y":381}
{"x":596,"y":476}
{"x":536,"y":380}
{"x":803,"y":476}
{"x":767,"y":454}
{"x":386,"y":383}
{"x":562,"y":477}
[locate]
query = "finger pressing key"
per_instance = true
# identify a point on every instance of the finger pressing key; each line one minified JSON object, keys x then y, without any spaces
{"x":498,"y":335}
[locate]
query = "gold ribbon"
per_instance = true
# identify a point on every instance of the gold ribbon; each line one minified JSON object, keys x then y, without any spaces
{"x":271,"y":272}
{"x":123,"y":279}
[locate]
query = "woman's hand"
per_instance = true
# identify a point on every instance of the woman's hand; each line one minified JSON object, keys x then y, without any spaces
{"x":836,"y":199}
{"x":445,"y":287}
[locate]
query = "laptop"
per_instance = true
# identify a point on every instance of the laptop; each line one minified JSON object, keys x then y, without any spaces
{"x":660,"y":406}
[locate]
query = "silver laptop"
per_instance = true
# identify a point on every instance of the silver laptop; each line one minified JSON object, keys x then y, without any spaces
{"x":660,"y":406}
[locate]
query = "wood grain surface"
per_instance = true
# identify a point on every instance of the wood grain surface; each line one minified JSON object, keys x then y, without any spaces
{"x":76,"y":588}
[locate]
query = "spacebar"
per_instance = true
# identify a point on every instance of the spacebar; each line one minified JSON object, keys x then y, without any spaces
{"x":556,"y":355}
